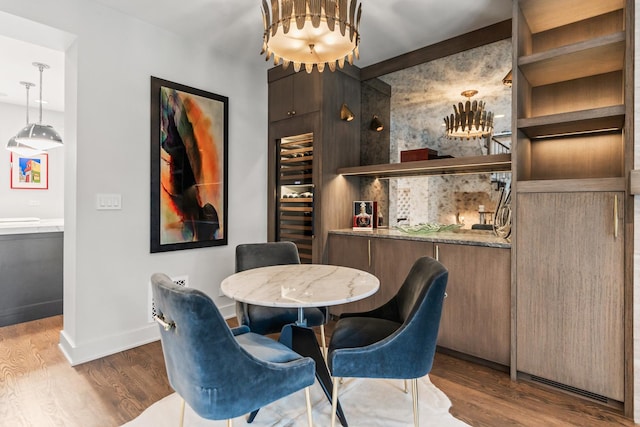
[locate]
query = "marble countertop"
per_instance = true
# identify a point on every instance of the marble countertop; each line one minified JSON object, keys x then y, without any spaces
{"x":460,"y":237}
{"x":30,"y":225}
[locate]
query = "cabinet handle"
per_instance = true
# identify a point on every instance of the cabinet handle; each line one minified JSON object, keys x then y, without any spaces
{"x":437,"y":253}
{"x":615,"y":216}
{"x":369,"y":251}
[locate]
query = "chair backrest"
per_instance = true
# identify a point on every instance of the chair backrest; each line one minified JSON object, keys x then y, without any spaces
{"x":425,"y":273}
{"x":205,"y":364}
{"x":254,"y":255}
{"x":419,"y":302}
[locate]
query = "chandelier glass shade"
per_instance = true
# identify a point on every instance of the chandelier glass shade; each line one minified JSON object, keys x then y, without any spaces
{"x":469,"y":120}
{"x":311,"y":32}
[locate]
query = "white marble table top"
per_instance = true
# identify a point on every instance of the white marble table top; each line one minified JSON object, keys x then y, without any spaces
{"x":300,"y":285}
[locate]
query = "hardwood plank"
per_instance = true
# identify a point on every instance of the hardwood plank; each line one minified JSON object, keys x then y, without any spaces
{"x":39,"y":388}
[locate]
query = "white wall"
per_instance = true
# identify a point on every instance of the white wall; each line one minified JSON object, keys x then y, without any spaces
{"x":107,"y":92}
{"x":44,"y":204}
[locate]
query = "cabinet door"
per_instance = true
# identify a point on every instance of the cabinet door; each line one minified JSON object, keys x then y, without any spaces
{"x":392,"y":260}
{"x":570,"y":279}
{"x":294,"y":95}
{"x":354,"y":252}
{"x":476,"y":313}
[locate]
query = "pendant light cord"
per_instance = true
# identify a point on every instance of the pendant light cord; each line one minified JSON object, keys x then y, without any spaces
{"x":41,"y":67}
{"x":27,"y":86}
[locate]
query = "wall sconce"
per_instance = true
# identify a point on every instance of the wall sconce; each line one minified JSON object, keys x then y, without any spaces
{"x":376,"y":124}
{"x":346,"y":114}
{"x":508,"y":79}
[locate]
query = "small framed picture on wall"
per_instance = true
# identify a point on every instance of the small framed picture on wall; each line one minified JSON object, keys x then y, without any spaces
{"x":29,"y":172}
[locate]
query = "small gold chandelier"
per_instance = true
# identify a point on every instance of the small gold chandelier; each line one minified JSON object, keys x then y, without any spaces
{"x":311,"y":32}
{"x":470,"y":120}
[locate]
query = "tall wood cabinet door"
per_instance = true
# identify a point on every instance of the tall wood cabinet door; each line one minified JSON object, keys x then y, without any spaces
{"x":294,"y":95}
{"x":392,"y":260}
{"x":476,"y":316}
{"x":354,"y":252}
{"x":570,"y":280}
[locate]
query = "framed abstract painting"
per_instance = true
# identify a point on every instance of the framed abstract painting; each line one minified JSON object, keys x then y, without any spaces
{"x":189,"y":167}
{"x":30,"y":172}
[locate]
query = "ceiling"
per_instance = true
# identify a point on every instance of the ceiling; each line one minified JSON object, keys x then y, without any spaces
{"x":388,"y":28}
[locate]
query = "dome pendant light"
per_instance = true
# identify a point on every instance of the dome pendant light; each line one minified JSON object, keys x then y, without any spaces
{"x":15,"y":146}
{"x":39,"y":136}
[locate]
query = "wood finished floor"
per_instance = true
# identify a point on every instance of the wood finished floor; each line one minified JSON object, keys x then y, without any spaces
{"x":38,"y":387}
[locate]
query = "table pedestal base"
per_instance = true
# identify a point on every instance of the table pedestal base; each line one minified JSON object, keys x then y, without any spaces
{"x":303,"y":341}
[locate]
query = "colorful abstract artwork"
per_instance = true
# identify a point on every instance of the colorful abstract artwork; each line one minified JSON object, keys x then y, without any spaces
{"x":30,"y":172}
{"x":189,"y":138}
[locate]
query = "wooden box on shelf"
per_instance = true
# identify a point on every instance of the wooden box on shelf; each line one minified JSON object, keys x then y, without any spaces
{"x":418,"y":154}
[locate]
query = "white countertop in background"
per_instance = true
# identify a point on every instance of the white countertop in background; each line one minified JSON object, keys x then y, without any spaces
{"x":30,"y":225}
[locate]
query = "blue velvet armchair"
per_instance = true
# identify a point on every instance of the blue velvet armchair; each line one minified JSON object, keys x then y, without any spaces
{"x":222,"y":373}
{"x":396,"y":340}
{"x":269,"y":320}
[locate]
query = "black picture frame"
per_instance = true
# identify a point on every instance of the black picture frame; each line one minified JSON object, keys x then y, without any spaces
{"x":189,"y":167}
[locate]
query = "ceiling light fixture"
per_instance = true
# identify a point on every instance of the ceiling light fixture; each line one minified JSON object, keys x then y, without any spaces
{"x":15,"y":146}
{"x":311,"y":32}
{"x":37,"y":135}
{"x":470,"y":120}
{"x":346,"y":114}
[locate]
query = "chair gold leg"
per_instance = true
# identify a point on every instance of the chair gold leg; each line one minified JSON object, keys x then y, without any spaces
{"x":229,"y":422}
{"x":406,"y":387}
{"x":307,"y":396}
{"x":182,"y":413}
{"x":324,"y":342}
{"x":334,"y":402}
{"x":414,"y":392}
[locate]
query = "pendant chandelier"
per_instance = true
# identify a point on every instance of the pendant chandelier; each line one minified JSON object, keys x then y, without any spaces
{"x":37,"y":135}
{"x":311,"y":32}
{"x":17,"y":147}
{"x":470,"y":120}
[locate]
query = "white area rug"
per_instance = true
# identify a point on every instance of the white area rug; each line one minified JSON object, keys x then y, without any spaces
{"x":365,"y":402}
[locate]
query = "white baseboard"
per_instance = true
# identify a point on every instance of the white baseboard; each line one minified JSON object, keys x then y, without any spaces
{"x":95,"y":349}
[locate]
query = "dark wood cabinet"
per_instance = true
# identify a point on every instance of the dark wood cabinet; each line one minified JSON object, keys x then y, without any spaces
{"x":295,"y":95}
{"x":388,"y":259}
{"x":570,"y":296}
{"x":476,"y":315}
{"x":332,"y":143}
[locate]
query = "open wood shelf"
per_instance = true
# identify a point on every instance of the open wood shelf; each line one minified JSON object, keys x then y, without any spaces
{"x":460,"y":165}
{"x":542,"y":15}
{"x":592,"y":120}
{"x":587,"y":58}
{"x":571,"y":185}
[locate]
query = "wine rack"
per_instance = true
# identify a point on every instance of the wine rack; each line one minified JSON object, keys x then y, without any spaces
{"x":295,"y":207}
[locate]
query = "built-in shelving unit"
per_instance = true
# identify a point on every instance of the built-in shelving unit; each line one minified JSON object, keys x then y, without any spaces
{"x":572,"y":153}
{"x":460,"y":165}
{"x":570,"y":102}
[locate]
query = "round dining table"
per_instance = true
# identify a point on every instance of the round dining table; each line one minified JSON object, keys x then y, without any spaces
{"x":301,"y":286}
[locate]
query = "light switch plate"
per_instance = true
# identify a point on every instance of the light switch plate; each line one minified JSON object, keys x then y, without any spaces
{"x":108,"y":202}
